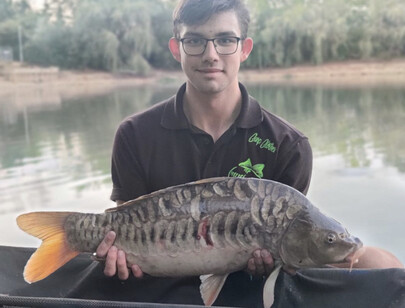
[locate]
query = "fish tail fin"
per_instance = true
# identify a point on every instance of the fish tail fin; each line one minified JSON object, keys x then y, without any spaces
{"x":54,"y":251}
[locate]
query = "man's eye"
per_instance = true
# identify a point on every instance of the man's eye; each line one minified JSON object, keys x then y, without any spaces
{"x":226,"y":41}
{"x":194,"y":41}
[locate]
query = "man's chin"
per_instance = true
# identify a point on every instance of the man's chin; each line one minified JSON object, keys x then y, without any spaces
{"x":209,"y":86}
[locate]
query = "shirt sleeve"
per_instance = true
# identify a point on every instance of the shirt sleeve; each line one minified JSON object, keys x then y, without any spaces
{"x":295,"y":166}
{"x":129,"y":180}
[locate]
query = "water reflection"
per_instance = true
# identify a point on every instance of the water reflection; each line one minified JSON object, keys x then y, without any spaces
{"x":359,"y":154}
{"x":55,"y":152}
{"x":64,"y":143}
{"x":345,"y":121}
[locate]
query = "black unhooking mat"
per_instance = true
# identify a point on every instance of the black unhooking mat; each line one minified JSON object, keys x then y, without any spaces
{"x":81,"y":283}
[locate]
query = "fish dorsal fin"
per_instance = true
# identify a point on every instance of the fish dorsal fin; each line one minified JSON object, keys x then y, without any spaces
{"x":165,"y":190}
{"x":268,"y":290}
{"x":210,"y":287}
{"x":210,"y":180}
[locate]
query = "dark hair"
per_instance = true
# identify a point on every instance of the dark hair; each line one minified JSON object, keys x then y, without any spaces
{"x":197,"y":12}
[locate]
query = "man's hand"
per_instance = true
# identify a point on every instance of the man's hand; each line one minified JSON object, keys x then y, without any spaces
{"x":261,"y":264}
{"x":115,"y":260}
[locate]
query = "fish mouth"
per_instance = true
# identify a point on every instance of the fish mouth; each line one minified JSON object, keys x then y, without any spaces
{"x":354,"y":257}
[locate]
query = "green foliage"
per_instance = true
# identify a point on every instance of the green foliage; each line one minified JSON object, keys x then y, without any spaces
{"x":106,"y":35}
{"x":15,"y":14}
{"x":132,"y":35}
{"x":49,"y":45}
{"x":316,"y":31}
{"x":139,"y":65}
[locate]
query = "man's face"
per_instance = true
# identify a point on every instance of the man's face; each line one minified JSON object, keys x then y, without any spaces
{"x":211,"y":72}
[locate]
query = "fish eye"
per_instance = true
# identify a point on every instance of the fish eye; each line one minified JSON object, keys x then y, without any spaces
{"x":331,"y":238}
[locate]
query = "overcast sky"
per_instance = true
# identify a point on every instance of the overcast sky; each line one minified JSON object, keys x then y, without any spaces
{"x":36,"y":4}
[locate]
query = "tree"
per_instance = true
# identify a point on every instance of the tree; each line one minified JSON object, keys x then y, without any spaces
{"x":132,"y":35}
{"x":15,"y":15}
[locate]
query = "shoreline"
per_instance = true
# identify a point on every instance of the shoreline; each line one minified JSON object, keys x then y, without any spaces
{"x":71,"y":84}
{"x":335,"y":74}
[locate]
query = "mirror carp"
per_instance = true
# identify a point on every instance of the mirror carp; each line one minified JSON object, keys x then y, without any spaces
{"x":208,"y":228}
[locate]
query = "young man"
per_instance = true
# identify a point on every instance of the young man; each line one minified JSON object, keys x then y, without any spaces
{"x":210,"y":128}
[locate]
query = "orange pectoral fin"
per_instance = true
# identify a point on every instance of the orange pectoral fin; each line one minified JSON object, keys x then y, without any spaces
{"x":54,"y":251}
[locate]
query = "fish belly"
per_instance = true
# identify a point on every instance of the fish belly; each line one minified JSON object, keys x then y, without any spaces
{"x":205,"y":261}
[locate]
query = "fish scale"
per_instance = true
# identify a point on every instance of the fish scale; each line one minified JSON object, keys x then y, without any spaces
{"x":208,"y":228}
{"x":149,"y":214}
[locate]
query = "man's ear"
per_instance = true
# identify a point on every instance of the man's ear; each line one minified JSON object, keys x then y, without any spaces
{"x":174,"y":46}
{"x":247,"y":46}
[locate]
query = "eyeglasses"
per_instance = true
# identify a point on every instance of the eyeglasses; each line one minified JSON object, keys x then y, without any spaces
{"x":223,"y":45}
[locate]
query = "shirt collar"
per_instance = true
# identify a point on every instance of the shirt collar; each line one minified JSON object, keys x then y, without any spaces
{"x":174,"y":118}
{"x":251,"y":113}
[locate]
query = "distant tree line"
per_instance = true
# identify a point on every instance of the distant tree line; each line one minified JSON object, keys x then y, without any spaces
{"x":131,"y":35}
{"x":288,"y":32}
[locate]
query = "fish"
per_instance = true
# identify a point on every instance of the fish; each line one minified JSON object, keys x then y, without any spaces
{"x":207,"y":228}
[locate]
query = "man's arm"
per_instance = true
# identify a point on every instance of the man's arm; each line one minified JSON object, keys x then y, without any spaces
{"x":294,"y":168}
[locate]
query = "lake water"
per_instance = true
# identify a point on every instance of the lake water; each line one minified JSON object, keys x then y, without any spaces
{"x":55,"y":153}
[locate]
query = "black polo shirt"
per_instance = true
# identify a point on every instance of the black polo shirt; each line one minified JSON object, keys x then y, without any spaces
{"x":158,"y":148}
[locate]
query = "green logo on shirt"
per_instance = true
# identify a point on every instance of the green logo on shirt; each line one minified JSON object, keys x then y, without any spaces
{"x":246,"y":168}
{"x":263,"y":144}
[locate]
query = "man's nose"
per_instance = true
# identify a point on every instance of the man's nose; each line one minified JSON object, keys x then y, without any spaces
{"x":210,"y":52}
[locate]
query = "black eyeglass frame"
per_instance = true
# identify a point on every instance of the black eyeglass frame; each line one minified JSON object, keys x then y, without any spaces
{"x":238,"y":39}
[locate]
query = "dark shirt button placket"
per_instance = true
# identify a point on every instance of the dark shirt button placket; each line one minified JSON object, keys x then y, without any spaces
{"x":206,"y":141}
